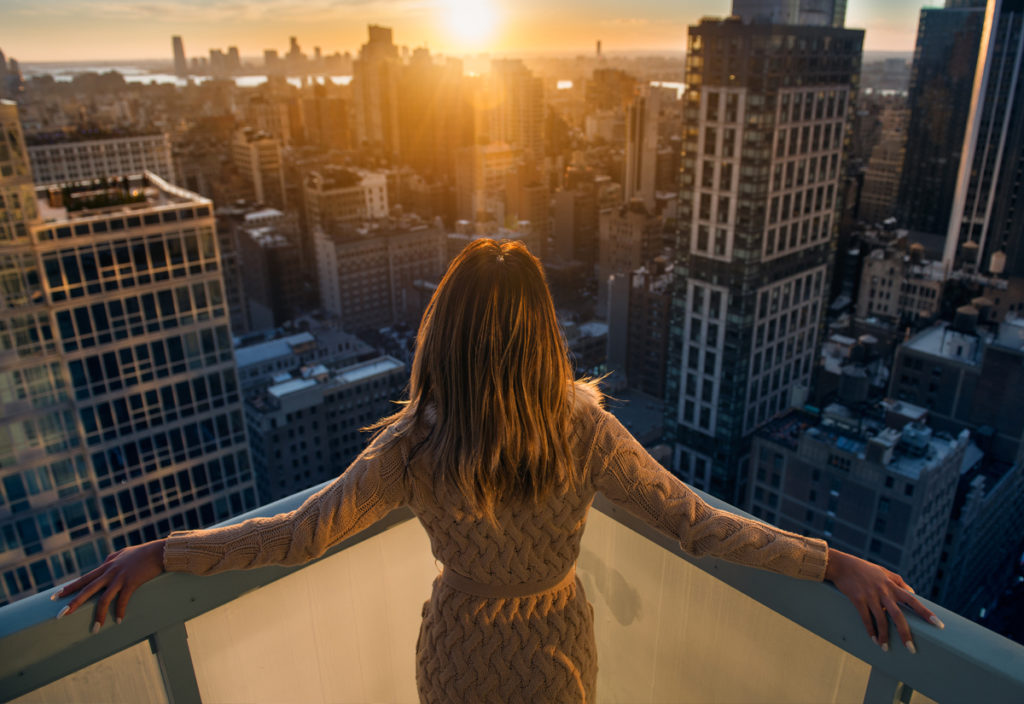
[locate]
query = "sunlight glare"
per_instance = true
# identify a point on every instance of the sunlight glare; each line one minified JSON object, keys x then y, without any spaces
{"x":470,"y":22}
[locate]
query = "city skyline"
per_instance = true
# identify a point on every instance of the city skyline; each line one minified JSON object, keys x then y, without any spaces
{"x":122,"y":30}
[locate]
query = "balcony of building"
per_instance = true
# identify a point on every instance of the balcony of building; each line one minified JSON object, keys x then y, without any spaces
{"x":343,"y":629}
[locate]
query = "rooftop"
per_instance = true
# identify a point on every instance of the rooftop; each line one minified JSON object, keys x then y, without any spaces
{"x":266,"y":351}
{"x":669,"y":627}
{"x":941,"y":340}
{"x":104,"y":198}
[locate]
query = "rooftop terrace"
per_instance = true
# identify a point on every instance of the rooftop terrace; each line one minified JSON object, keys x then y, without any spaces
{"x":343,"y":629}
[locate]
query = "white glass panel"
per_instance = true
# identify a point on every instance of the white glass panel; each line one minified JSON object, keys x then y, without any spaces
{"x":127,"y":677}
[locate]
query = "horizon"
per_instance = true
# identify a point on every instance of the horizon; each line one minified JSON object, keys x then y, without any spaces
{"x":53,"y":32}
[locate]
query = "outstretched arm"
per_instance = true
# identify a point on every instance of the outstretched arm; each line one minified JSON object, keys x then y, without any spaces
{"x":367,"y":491}
{"x":625,"y":473}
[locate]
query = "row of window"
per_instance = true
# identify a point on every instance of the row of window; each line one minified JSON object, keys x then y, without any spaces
{"x":137,"y":413}
{"x":67,"y":476}
{"x":811,"y":105}
{"x":42,"y":385}
{"x":808,"y":139}
{"x":44,"y":573}
{"x":53,"y":432}
{"x":797,"y":235}
{"x":27,"y":335}
{"x":160,"y":495}
{"x":136,"y":458}
{"x":141,"y":363}
{"x":78,"y":519}
{"x":103,"y":322}
{"x":111,"y":266}
{"x":794,"y":205}
{"x":795,"y":173}
{"x":118,"y":224}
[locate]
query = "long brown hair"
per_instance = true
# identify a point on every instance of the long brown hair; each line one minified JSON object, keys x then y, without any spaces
{"x":491,"y":383}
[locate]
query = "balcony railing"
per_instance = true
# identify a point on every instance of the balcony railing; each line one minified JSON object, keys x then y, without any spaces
{"x":343,"y":629}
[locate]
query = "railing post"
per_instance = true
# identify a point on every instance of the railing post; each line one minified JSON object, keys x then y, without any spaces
{"x":883,"y":688}
{"x":170,"y":645}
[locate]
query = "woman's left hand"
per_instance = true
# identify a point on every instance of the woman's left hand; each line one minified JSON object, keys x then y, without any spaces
{"x":875,"y":592}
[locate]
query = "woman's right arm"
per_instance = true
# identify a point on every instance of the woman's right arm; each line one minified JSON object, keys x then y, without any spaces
{"x":367,"y":491}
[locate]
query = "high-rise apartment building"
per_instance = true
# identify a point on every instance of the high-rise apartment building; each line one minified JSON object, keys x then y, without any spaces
{"x":180,"y":62}
{"x":63,"y":157}
{"x":122,"y":414}
{"x":766,"y":115}
{"x":939,"y":100}
{"x":985,"y":209}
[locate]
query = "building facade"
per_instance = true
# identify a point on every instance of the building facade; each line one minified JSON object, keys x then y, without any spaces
{"x":70,"y":158}
{"x":368,"y":274}
{"x":305,"y":428}
{"x":879,"y":484}
{"x":763,"y":151}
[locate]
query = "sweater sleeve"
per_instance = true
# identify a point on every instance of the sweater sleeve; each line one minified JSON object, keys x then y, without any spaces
{"x":367,"y":491}
{"x":625,"y":473}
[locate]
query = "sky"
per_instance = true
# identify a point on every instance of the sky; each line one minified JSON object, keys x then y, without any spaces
{"x":92,"y":30}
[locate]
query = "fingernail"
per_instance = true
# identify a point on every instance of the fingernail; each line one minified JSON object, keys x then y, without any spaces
{"x":934,"y":620}
{"x":63,"y":611}
{"x":911,"y":647}
{"x":119,"y":620}
{"x":874,"y":639}
{"x":96,"y":625}
{"x":885,"y":647}
{"x":911,"y":589}
{"x":53,"y":597}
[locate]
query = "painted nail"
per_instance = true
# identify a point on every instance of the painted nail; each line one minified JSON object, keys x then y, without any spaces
{"x":934,"y":620}
{"x":96,"y":625}
{"x":885,"y":647}
{"x":911,"y":647}
{"x":119,"y":620}
{"x":63,"y":611}
{"x":874,"y":639}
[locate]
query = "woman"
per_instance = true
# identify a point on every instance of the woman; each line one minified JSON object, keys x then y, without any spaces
{"x":499,"y":453}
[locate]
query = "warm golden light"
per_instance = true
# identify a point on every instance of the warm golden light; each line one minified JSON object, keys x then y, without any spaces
{"x":470,"y":22}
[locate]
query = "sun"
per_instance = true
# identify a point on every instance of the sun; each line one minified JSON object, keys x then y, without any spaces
{"x":471,"y":23}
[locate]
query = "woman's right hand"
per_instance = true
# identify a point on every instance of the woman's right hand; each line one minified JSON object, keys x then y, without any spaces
{"x":119,"y":576}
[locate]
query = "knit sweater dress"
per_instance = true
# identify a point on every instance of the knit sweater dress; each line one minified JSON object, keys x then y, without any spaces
{"x":507,"y":621}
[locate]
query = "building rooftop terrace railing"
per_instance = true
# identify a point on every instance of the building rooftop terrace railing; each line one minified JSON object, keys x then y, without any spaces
{"x":343,"y":628}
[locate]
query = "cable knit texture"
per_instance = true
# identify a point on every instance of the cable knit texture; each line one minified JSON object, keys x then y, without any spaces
{"x":537,"y":648}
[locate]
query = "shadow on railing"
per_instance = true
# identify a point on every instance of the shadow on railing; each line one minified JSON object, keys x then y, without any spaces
{"x":343,"y":628}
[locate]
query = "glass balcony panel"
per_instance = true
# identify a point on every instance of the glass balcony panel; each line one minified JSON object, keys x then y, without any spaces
{"x":340,"y":630}
{"x":126,"y":677}
{"x":669,"y":631}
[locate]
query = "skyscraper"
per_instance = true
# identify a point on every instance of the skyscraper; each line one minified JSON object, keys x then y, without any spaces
{"x":766,"y":115}
{"x":642,"y":148}
{"x":122,"y":416}
{"x":939,"y":100}
{"x":991,"y":173}
{"x":375,"y":89}
{"x":180,"y":62}
{"x":517,"y":107}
